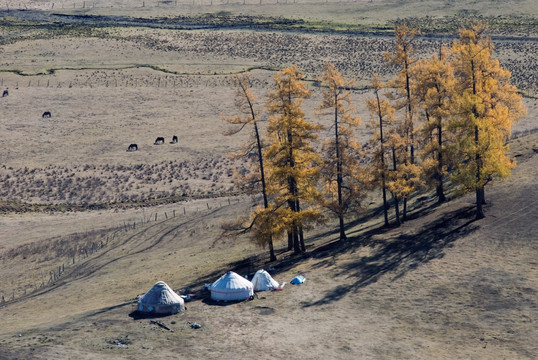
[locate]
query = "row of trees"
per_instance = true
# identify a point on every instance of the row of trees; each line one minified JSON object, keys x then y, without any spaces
{"x":446,"y":117}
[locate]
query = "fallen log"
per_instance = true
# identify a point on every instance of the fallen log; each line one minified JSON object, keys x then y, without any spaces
{"x":160,"y":324}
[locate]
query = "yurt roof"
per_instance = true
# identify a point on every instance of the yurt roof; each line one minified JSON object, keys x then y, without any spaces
{"x":231,"y":280}
{"x":262,"y":280}
{"x":160,"y":293}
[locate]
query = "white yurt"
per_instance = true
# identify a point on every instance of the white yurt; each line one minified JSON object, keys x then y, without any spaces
{"x":262,"y":281}
{"x":230,"y":287}
{"x":160,"y":299}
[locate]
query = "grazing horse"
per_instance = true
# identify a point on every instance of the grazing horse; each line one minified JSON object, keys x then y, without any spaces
{"x":174,"y":139}
{"x":46,"y":114}
{"x":132,"y":147}
{"x":5,"y":93}
{"x":159,"y":141}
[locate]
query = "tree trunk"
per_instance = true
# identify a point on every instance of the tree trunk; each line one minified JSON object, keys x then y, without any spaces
{"x":397,"y":211}
{"x":396,"y":202}
{"x":296,"y":242}
{"x":290,"y":241}
{"x":480,"y":198}
{"x":441,"y":198}
{"x":404,"y":218}
{"x":382,"y":150}
{"x":479,"y":187}
{"x":410,"y":127}
{"x":339,"y":177}
{"x":244,"y":87}
{"x":385,"y":203}
{"x":272,"y":256}
{"x":479,"y":202}
{"x":293,"y":202}
{"x":301,"y":240}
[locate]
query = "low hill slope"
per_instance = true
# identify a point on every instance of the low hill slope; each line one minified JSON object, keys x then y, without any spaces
{"x":442,"y":286}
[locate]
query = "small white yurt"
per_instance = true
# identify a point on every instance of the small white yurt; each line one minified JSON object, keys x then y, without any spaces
{"x":262,"y":281}
{"x":160,"y":299}
{"x":231,"y":287}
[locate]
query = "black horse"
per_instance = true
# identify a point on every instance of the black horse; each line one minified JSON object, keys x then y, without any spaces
{"x":46,"y":114}
{"x":174,"y":139}
{"x":5,"y":93}
{"x":132,"y":147}
{"x":159,"y":141}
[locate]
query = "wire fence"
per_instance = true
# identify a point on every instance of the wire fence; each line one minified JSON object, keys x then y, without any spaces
{"x":111,"y":237}
{"x":118,"y":4}
{"x":124,"y":81}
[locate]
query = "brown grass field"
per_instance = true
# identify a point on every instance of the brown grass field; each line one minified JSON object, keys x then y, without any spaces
{"x":86,"y":226}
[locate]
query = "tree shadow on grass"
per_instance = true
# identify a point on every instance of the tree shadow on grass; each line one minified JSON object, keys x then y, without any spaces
{"x":422,"y":206}
{"x":395,"y":256}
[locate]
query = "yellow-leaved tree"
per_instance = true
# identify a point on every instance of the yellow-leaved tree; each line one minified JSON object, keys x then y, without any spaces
{"x":390,"y":165}
{"x":382,"y":119}
{"x":245,"y":102}
{"x":340,"y":171}
{"x":404,"y":101}
{"x":487,"y":107}
{"x":292,"y":162}
{"x":403,"y":177}
{"x":435,"y":87}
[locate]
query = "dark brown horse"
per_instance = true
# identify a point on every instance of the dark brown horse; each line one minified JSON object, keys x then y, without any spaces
{"x":159,"y":141}
{"x":132,"y":147}
{"x":46,"y":114}
{"x":174,"y":139}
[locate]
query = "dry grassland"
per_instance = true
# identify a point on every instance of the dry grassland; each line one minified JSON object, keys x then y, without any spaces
{"x":439,"y":287}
